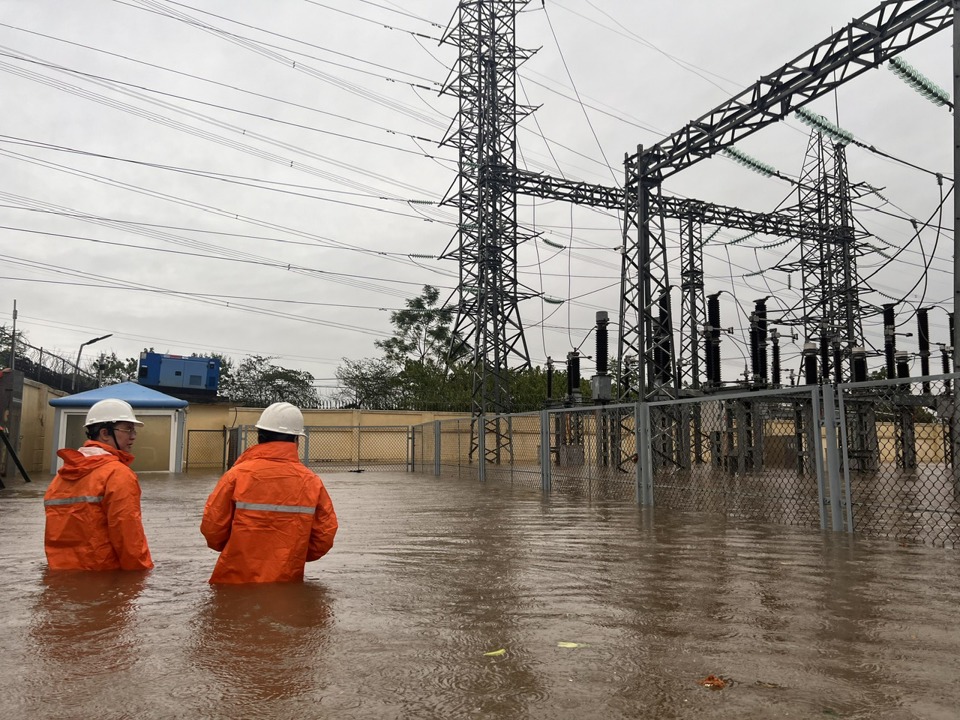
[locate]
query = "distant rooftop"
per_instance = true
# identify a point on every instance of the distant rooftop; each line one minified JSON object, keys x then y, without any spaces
{"x":137,"y":395}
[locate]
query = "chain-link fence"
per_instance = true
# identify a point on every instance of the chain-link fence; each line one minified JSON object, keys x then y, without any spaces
{"x":749,"y":455}
{"x":585,"y":451}
{"x":873,"y":458}
{"x":593,"y":451}
{"x":898,"y":441}
{"x":348,"y":448}
{"x":206,"y":450}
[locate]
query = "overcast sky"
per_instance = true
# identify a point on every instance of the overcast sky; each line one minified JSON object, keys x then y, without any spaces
{"x":265,"y":177}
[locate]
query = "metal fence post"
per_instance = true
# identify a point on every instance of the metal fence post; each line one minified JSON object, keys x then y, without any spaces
{"x":954,"y":438}
{"x":545,"y":456}
{"x":833,"y":458}
{"x":817,"y":452}
{"x":481,"y":448}
{"x":226,"y":448}
{"x":644,"y":469}
{"x":412,"y":447}
{"x":845,"y":460}
{"x":437,"y":434}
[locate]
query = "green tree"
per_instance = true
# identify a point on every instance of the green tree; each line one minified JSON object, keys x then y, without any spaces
{"x":422,"y":332}
{"x":369,"y":383}
{"x":110,"y":369}
{"x":6,"y":339}
{"x":258,"y":382}
{"x":528,"y":389}
{"x":431,"y":387}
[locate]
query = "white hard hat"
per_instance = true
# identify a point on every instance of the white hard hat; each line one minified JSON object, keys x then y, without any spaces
{"x":109,"y":411}
{"x":282,"y":417}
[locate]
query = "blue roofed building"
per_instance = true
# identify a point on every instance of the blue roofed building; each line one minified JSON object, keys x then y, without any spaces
{"x":160,"y":442}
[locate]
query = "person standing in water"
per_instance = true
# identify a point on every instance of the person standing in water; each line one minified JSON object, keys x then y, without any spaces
{"x":269,"y":514}
{"x":92,"y":506}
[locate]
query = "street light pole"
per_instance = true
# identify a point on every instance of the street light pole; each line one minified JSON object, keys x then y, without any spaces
{"x":77,"y":364}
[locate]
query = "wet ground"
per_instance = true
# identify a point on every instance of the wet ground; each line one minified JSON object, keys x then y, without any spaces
{"x":448,"y":599}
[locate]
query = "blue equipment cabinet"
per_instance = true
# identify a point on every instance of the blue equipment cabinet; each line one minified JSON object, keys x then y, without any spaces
{"x":197,"y":375}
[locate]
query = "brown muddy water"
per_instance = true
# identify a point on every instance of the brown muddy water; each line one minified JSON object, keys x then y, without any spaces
{"x":600,"y":609}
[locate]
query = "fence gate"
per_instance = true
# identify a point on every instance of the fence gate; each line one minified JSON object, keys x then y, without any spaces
{"x":206,"y":450}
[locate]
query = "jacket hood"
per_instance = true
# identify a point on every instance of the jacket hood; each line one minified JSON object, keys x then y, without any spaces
{"x":77,"y":463}
{"x":277,"y":450}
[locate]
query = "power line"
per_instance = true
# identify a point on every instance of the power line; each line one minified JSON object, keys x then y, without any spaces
{"x":199,"y":78}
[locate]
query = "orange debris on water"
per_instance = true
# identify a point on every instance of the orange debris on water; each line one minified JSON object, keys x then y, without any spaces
{"x":714,"y":681}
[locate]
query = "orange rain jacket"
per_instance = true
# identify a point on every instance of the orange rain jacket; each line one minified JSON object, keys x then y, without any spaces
{"x":92,"y":511}
{"x":268,"y":516}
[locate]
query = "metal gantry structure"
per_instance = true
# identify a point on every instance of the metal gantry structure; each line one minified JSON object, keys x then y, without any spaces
{"x":865,"y":43}
{"x":489,"y":182}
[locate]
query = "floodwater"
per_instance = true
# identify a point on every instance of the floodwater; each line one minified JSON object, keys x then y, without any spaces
{"x":600,"y":609}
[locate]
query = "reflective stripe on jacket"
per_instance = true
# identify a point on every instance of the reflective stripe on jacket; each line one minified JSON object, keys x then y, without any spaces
{"x":92,"y":509}
{"x":268,"y":516}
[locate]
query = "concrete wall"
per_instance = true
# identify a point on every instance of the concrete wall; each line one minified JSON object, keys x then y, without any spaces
{"x":216,"y":417}
{"x":36,"y":425}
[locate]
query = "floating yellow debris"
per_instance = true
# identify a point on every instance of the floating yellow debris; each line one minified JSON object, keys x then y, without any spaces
{"x":569,"y":644}
{"x":495,"y":653}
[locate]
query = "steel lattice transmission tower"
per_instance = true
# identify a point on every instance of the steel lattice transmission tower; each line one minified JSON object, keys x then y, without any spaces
{"x":828,"y":260}
{"x":485,"y":134}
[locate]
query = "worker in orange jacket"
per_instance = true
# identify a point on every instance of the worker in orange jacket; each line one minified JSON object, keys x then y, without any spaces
{"x":269,"y":514}
{"x":92,"y":506}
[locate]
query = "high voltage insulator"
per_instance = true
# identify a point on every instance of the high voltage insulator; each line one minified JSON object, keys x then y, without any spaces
{"x":711,"y":236}
{"x":915,"y":79}
{"x":749,"y":162}
{"x":820,"y":123}
{"x":739,"y":240}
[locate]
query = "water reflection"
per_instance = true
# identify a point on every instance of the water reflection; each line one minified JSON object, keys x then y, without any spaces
{"x":262,"y":644}
{"x":85,"y":621}
{"x":83,"y":634}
